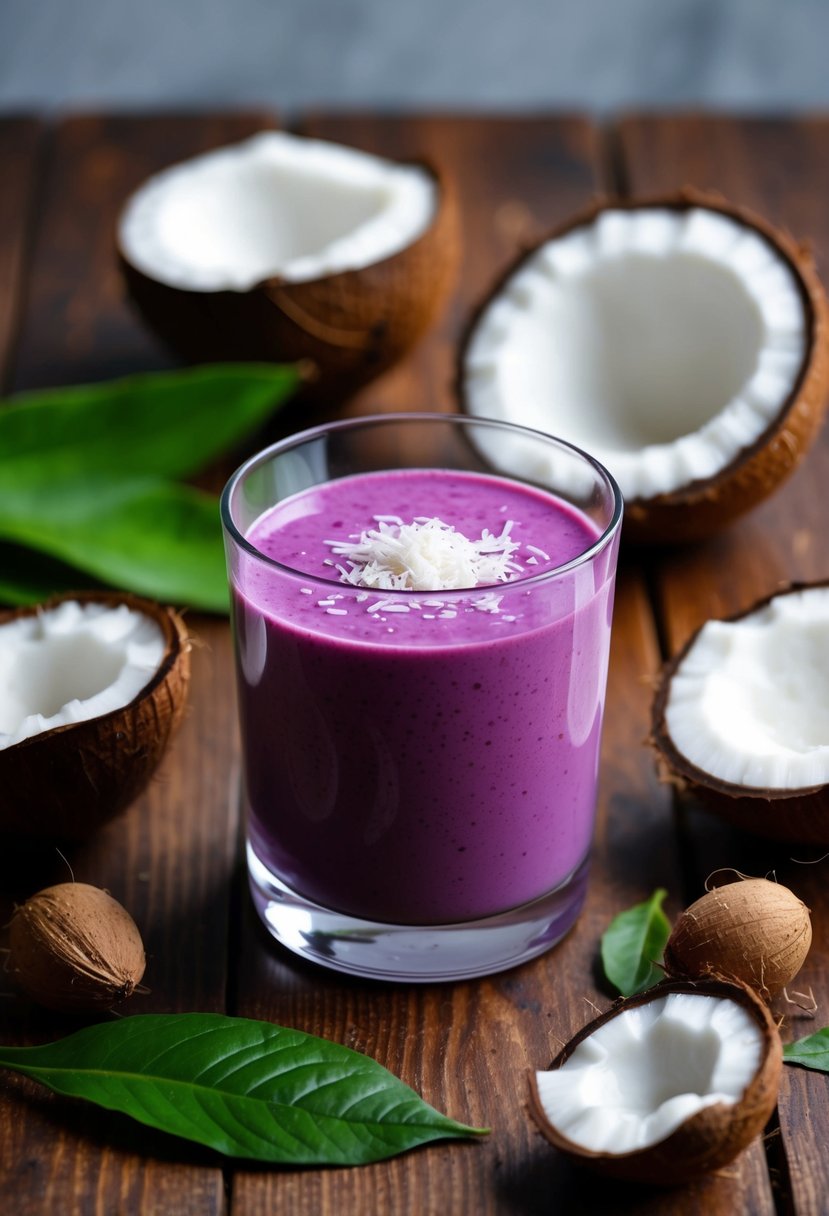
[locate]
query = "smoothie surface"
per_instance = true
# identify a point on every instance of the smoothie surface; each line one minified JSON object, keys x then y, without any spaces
{"x":298,"y":531}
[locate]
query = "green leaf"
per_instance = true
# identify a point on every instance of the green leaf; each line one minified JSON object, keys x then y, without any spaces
{"x":245,"y":1088}
{"x":84,"y":480}
{"x":146,"y":535}
{"x":811,"y":1052}
{"x":633,"y":945}
{"x":166,"y":423}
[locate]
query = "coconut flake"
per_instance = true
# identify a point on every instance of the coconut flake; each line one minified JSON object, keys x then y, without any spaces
{"x":73,"y":663}
{"x":426,"y":555}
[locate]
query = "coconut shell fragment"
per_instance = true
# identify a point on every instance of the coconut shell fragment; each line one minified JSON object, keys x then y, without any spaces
{"x":754,"y":931}
{"x":65,"y":782}
{"x":790,"y":810}
{"x":704,"y":1141}
{"x":75,"y":949}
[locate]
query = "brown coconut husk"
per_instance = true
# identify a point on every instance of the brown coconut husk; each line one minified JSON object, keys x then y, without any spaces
{"x":755,"y":931}
{"x":75,"y":949}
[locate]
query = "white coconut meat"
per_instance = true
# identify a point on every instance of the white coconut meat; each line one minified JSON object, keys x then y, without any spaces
{"x":641,"y":1074}
{"x":749,"y":702}
{"x":274,"y":206}
{"x":72,"y":663}
{"x":663,"y":341}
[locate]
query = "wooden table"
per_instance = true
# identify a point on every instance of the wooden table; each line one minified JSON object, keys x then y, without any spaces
{"x":174,"y":860}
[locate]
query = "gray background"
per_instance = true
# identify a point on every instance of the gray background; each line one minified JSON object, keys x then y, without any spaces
{"x":600,"y":55}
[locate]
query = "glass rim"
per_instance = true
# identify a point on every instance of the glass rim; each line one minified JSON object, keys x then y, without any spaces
{"x":346,"y":424}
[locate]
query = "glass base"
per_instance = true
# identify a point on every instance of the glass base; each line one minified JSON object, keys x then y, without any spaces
{"x":414,"y":953}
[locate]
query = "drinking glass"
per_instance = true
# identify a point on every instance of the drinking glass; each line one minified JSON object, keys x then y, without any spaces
{"x":420,"y":766}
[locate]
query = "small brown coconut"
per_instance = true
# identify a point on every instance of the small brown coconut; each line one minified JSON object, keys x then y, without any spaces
{"x":75,"y":949}
{"x":753,"y":930}
{"x":637,"y":361}
{"x":784,"y":806}
{"x":66,"y":781}
{"x":709,"y":1136}
{"x":347,"y":326}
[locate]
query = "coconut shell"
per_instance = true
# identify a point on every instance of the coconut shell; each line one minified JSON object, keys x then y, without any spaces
{"x":66,"y":782}
{"x":75,"y":949}
{"x":754,"y":930}
{"x":704,"y":507}
{"x":349,"y":327}
{"x":800,"y":815}
{"x":707,"y":1140}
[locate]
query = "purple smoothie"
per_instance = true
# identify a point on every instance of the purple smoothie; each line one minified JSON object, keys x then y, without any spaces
{"x":416,"y":757}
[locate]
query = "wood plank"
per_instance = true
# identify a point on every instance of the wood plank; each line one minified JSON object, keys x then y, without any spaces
{"x":170,"y":858}
{"x":466,"y":1047}
{"x":469,"y":1047}
{"x":21,"y":140}
{"x":782,"y":170}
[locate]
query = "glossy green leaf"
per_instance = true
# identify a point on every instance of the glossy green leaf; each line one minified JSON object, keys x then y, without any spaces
{"x":811,"y":1052}
{"x":633,"y":945}
{"x":248,"y":1089}
{"x":165,"y":423}
{"x":153,"y":537}
{"x":86,"y":480}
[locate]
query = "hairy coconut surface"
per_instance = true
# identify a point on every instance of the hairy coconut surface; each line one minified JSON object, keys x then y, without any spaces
{"x":662,"y":1078}
{"x":772,"y":705}
{"x":66,"y":781}
{"x":75,"y":949}
{"x":347,"y":313}
{"x":754,"y":930}
{"x":686,"y":346}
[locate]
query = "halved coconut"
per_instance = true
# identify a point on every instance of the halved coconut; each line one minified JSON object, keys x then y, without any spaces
{"x":682,"y":342}
{"x":741,"y":715}
{"x":93,"y":686}
{"x":286,"y":248}
{"x":666,"y":1085}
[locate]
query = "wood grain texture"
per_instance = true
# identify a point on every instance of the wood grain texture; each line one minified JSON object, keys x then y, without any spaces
{"x":467,"y":1047}
{"x":780,"y":168}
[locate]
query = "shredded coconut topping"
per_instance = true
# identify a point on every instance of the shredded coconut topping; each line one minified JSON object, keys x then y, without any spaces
{"x":425,"y":555}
